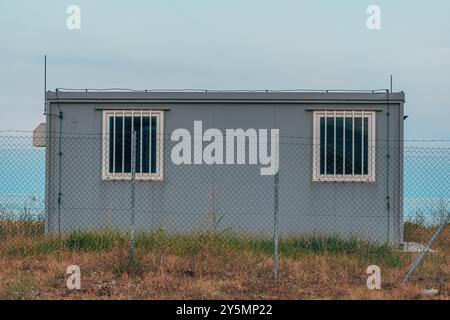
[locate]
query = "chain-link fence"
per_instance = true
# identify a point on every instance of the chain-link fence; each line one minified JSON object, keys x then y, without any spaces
{"x":391,"y":195}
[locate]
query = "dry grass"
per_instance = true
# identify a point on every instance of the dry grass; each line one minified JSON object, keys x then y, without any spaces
{"x":207,"y":266}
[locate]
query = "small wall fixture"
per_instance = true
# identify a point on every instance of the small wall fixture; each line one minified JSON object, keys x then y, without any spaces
{"x":39,"y":136}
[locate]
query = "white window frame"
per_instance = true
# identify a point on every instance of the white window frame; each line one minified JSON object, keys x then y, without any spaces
{"x":158,"y":175}
{"x":354,"y":177}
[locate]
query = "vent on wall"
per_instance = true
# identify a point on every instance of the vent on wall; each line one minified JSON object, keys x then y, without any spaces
{"x":39,"y":136}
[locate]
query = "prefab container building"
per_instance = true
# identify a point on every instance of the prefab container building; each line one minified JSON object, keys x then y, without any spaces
{"x":340,"y":162}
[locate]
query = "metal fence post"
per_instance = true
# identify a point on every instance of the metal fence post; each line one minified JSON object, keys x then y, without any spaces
{"x":275,"y":227}
{"x":133,"y":192}
{"x":427,"y":248}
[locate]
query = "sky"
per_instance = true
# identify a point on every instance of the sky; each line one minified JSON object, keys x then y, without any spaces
{"x":232,"y":44}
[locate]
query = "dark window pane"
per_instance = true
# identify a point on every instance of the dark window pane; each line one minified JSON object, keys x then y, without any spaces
{"x":145,"y":157}
{"x":145,"y":145}
{"x":366,"y":146}
{"x":154,"y":146}
{"x":322,"y":145}
{"x":137,"y":129}
{"x":339,"y":145}
{"x":111,"y":144}
{"x":118,"y":144}
{"x":348,"y":146}
{"x":358,"y":146}
{"x":127,"y":158}
{"x":330,"y":145}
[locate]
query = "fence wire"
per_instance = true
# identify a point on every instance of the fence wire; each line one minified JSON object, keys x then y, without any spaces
{"x":71,"y":187}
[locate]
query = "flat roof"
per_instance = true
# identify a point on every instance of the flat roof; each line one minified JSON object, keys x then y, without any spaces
{"x":208,"y":96}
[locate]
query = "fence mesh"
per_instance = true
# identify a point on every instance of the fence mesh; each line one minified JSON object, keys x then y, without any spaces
{"x":73,"y":187}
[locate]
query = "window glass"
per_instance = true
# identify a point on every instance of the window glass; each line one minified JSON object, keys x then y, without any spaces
{"x":137,"y":129}
{"x":366,"y":145}
{"x":330,"y":146}
{"x":154,"y":144}
{"x":322,"y":145}
{"x":127,"y":149}
{"x":339,"y":145}
{"x":146,"y":145}
{"x":118,"y":144}
{"x":111,"y":149}
{"x":358,"y":146}
{"x":344,"y":147}
{"x":348,"y":146}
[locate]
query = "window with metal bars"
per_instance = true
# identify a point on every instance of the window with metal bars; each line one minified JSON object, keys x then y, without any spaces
{"x":344,"y":148}
{"x":118,"y":128}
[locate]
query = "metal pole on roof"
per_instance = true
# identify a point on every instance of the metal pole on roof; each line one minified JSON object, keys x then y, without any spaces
{"x":391,"y":82}
{"x":45,"y":83}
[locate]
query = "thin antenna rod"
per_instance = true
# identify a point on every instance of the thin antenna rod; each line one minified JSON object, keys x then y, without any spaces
{"x":391,"y":82}
{"x":45,"y":83}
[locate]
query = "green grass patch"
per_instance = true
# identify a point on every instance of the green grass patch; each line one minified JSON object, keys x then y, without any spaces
{"x":192,"y":244}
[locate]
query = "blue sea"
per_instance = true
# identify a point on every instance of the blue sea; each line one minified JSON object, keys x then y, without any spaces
{"x":22,"y":182}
